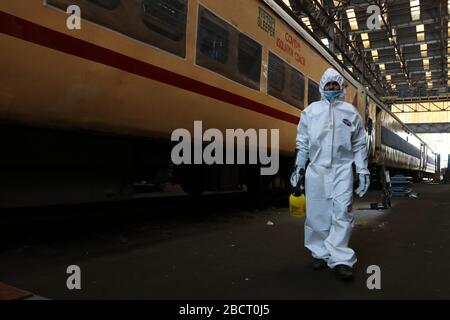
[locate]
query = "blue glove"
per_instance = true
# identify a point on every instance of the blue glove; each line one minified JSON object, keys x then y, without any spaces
{"x":297,"y":175}
{"x":364,"y":183}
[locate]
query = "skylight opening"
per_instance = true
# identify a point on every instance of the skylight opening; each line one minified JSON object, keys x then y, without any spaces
{"x":352,"y":19}
{"x":287,"y":3}
{"x":375,"y":55}
{"x":365,"y":40}
{"x":423,"y":50}
{"x":415,"y":10}
{"x":307,"y":23}
{"x":420,"y":29}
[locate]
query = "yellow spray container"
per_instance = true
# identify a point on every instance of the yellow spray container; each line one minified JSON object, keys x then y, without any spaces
{"x":297,"y":205}
{"x":297,"y":199}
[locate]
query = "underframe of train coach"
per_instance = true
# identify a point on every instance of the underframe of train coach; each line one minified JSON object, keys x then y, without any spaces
{"x":49,"y":166}
{"x":52,"y":166}
{"x":378,"y":175}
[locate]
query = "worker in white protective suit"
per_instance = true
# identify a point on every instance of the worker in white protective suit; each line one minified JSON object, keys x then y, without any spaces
{"x":330,"y":134}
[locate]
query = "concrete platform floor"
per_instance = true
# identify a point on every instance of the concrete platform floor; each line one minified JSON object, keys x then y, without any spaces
{"x":241,"y":256}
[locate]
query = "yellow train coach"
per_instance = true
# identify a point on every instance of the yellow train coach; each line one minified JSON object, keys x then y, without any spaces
{"x":88,"y":107}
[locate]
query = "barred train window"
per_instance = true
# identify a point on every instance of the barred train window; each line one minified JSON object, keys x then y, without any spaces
{"x":213,"y":40}
{"x":297,"y":85}
{"x":160,"y":23}
{"x":276,"y":75}
{"x":313,"y":92}
{"x":249,"y":60}
{"x":223,"y":49}
{"x":107,"y":4}
{"x":285,"y":82}
{"x":166,"y":17}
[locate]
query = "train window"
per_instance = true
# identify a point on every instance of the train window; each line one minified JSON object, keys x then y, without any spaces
{"x":297,"y":85}
{"x":223,"y":49}
{"x":285,"y":82}
{"x":276,"y":75}
{"x":107,"y":4}
{"x":167,"y":17}
{"x":213,"y":39}
{"x":249,"y":59}
{"x":313,"y":92}
{"x":160,"y":23}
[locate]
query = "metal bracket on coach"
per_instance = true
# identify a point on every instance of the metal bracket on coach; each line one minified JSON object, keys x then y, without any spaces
{"x":386,"y":191}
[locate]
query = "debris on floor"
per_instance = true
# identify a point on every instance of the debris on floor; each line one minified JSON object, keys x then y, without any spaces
{"x":401,"y":185}
{"x":377,"y":206}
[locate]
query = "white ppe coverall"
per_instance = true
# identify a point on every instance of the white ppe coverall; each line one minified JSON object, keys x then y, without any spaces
{"x":331,"y":135}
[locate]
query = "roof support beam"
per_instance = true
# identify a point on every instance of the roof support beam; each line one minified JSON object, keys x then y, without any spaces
{"x":419,"y":99}
{"x":399,"y":26}
{"x":410,"y":60}
{"x":410,"y":44}
{"x":443,"y":127}
{"x":413,"y":72}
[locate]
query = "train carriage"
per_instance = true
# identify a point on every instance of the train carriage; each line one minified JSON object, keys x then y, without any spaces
{"x":87,"y":112}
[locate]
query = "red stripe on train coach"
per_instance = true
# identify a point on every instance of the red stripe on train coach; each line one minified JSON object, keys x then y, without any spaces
{"x":35,"y":33}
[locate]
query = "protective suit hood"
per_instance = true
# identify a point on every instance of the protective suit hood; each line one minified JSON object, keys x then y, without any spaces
{"x":331,"y":75}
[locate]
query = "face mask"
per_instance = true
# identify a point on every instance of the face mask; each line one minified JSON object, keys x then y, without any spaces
{"x":331,"y":95}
